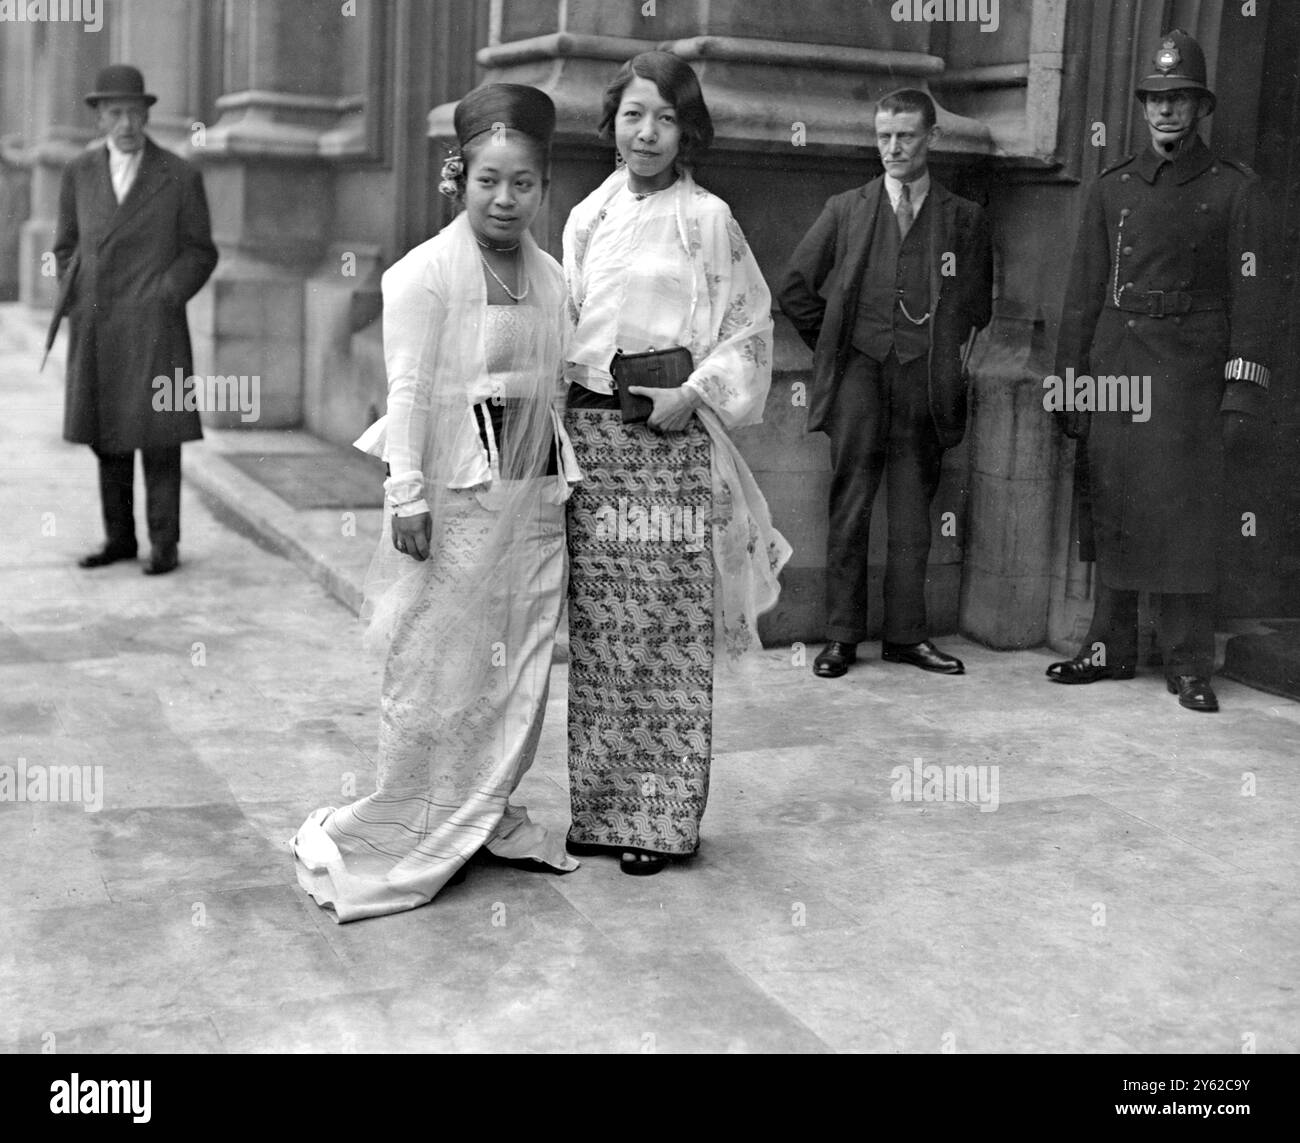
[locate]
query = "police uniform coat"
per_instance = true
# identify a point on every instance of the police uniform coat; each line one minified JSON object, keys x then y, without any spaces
{"x":1156,"y":486}
{"x":823,"y":283}
{"x":126,"y":271}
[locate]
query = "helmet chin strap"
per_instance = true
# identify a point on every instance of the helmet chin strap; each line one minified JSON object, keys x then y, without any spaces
{"x":1172,"y":148}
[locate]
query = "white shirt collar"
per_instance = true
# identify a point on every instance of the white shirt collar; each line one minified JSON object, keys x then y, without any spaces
{"x":122,"y":168}
{"x":920,"y":188}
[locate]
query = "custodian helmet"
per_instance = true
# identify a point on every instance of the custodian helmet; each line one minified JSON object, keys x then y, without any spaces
{"x":1178,"y":64}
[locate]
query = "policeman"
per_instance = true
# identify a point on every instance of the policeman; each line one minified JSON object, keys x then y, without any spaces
{"x":1166,"y":328}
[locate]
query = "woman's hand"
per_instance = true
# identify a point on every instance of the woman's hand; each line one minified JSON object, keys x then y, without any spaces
{"x":412,"y":534}
{"x":673,"y":408}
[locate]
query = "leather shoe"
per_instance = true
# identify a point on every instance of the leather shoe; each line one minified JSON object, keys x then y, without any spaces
{"x":924,"y":655}
{"x":1081,"y":669}
{"x":108,"y":554}
{"x":162,"y":560}
{"x":1193,"y":692}
{"x":835,"y":659}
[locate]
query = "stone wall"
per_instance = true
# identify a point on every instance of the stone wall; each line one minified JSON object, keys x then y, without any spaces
{"x":320,"y":127}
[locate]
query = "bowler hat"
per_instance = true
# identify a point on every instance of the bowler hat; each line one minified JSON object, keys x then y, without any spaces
{"x":120,"y":81}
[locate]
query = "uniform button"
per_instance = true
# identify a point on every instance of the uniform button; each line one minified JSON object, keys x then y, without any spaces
{"x":1214,"y":170}
{"x":1178,"y":321}
{"x":1132,"y":322}
{"x":1125,"y":212}
{"x":1184,"y":284}
{"x":1128,"y":249}
{"x":1127,"y":286}
{"x":1124,"y":177}
{"x":1205,"y":208}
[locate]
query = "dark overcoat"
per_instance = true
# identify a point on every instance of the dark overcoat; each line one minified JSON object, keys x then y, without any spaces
{"x":823,"y":282}
{"x":1156,"y":485}
{"x":126,"y":271}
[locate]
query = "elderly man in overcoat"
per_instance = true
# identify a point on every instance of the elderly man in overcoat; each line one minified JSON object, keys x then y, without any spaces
{"x":885,"y":288}
{"x":1169,"y":291}
{"x":133,"y":245}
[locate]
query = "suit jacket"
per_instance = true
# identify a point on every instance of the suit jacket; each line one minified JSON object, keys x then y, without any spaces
{"x":126,"y":271}
{"x":823,"y":281}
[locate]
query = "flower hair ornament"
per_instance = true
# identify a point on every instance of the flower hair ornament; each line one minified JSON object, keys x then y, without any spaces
{"x":453,"y":166}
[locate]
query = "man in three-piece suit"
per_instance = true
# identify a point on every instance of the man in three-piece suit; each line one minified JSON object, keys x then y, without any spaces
{"x":133,"y":246}
{"x":886,"y":288}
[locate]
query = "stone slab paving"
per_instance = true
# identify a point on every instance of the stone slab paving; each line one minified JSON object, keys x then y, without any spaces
{"x":1133,"y":889}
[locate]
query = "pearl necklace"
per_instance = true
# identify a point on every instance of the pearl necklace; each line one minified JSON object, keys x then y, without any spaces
{"x":519,"y":297}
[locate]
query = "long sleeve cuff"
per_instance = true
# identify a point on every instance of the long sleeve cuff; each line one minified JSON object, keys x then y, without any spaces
{"x":414,"y":508}
{"x":694,"y":391}
{"x":404,"y":492}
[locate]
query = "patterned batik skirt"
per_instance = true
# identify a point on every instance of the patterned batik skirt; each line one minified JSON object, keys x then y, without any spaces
{"x":445,"y":778}
{"x":640,"y":634}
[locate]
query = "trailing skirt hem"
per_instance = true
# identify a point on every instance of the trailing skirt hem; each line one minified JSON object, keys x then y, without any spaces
{"x":445,"y":777}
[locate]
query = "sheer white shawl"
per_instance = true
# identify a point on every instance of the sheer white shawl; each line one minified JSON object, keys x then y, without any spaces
{"x":435,"y":353}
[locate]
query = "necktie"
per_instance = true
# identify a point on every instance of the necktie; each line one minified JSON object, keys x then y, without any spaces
{"x":904,"y":212}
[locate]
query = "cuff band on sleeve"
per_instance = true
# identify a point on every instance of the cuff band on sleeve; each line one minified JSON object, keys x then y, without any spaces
{"x":1239,"y":369}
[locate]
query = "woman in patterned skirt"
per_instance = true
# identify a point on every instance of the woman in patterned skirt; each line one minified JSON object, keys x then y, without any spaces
{"x":672,"y":552}
{"x":466,"y":595}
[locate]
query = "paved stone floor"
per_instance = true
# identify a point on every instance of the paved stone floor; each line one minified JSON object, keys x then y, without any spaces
{"x":1133,"y":889}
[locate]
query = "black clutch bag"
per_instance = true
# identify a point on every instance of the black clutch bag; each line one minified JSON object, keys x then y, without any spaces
{"x":657,"y":369}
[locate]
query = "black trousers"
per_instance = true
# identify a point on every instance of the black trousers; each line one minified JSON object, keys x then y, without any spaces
{"x":162,"y":483}
{"x":1184,"y":629}
{"x":880,"y":423}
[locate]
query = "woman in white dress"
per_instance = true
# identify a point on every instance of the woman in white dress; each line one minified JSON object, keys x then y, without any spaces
{"x":673,"y":554}
{"x":466,"y":593}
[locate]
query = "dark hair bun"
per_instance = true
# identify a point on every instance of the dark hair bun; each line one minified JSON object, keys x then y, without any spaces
{"x":515,"y":106}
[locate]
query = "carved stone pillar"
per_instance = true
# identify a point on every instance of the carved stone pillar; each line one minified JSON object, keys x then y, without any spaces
{"x":284,"y":117}
{"x":62,"y":61}
{"x":15,"y":163}
{"x":139,"y":27}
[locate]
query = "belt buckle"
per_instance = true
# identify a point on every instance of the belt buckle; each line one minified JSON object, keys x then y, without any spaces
{"x":1156,"y":303}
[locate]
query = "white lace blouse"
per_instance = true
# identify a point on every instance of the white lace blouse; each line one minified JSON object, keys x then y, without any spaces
{"x":638,"y":284}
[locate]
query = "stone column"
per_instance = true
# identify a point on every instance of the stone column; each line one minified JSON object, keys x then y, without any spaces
{"x":15,"y":162}
{"x":62,"y":61}
{"x":269,"y":178}
{"x":140,"y":27}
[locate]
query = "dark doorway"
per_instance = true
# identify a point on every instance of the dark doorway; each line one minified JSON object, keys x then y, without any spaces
{"x":1261,"y":574}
